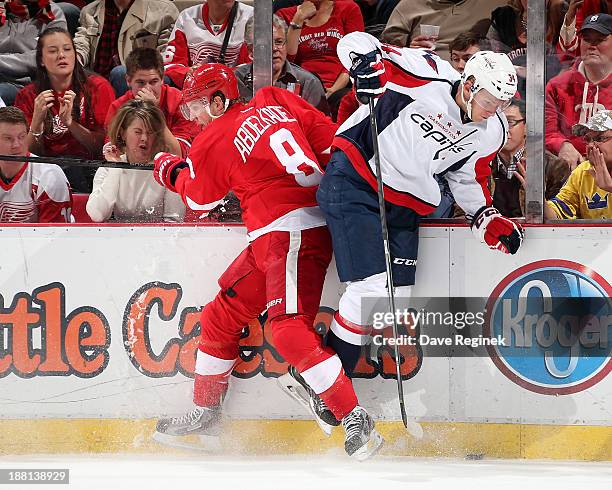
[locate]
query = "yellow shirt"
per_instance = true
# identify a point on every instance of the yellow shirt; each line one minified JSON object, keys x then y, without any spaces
{"x":580,"y":198}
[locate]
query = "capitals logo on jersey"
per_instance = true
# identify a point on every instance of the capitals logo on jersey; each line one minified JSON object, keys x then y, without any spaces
{"x":443,"y":131}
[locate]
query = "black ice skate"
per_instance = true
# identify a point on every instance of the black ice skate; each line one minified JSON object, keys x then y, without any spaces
{"x":361,"y":440}
{"x":198,"y":429}
{"x":294,"y":385}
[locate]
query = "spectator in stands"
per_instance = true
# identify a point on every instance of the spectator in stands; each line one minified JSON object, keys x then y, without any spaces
{"x":506,"y":189}
{"x":376,"y":14}
{"x":65,"y":106}
{"x":453,"y":17}
{"x":577,"y":11}
{"x":110,"y":29}
{"x":21,"y":23}
{"x":508,"y":179}
{"x":145,"y":74}
{"x":463,"y":47}
{"x":508,"y":34}
{"x":29,"y":192}
{"x":315,"y":27}
{"x":580,"y":92}
{"x":581,"y":197}
{"x":284,"y":74}
{"x":136,"y":135}
{"x":209,"y":33}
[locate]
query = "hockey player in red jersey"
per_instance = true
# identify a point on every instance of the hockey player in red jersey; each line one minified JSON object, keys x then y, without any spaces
{"x":269,"y":152}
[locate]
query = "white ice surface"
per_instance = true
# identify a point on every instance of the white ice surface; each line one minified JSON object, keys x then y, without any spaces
{"x":191,"y":472}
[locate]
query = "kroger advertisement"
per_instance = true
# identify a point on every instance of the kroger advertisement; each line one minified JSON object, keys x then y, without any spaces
{"x":104,"y":322}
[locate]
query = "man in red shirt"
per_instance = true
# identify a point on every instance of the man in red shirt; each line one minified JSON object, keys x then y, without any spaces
{"x":269,"y":152}
{"x":575,"y":95}
{"x":29,"y":192}
{"x":145,"y":75}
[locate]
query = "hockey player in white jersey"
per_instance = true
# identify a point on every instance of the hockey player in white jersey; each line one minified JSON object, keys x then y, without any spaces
{"x":431,"y":121}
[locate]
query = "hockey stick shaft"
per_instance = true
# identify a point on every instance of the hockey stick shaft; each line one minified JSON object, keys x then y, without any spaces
{"x":385,"y":237}
{"x":77,"y":162}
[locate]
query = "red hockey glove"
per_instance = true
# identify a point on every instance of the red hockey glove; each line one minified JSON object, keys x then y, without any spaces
{"x":368,"y":75}
{"x":498,"y":232}
{"x":167,"y":167}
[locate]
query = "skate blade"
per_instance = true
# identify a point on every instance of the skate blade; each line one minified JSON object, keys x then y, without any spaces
{"x":370,"y":448}
{"x":296,"y":391}
{"x":200,"y":442}
{"x":415,"y":429}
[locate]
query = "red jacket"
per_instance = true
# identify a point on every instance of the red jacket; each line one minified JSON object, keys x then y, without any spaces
{"x":570,"y":99}
{"x":182,"y":129}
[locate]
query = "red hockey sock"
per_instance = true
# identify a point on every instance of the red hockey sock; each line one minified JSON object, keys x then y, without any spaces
{"x":340,"y":397}
{"x":209,"y":390}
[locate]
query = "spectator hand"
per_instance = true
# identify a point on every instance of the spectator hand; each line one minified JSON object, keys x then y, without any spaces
{"x":147,"y":94}
{"x":423,"y":42}
{"x":521,"y":174}
{"x":496,"y":231}
{"x":368,"y":75}
{"x":570,"y":155}
{"x":167,"y":167}
{"x":111,"y":153}
{"x":304,"y":12}
{"x":65,"y":110}
{"x":570,"y":16}
{"x":192,"y":69}
{"x":42,"y":103}
{"x":600,"y":171}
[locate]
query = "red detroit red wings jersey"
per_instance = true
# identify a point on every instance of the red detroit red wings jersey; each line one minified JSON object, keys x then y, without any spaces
{"x":269,"y":152}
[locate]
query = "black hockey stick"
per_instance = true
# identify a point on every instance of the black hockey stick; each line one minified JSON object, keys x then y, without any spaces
{"x":385,"y":237}
{"x":77,"y":162}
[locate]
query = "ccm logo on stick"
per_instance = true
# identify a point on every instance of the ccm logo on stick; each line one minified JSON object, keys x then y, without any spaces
{"x":400,"y":261}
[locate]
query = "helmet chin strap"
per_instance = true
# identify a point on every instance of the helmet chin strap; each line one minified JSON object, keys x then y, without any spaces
{"x":217,"y":117}
{"x":468,"y":103}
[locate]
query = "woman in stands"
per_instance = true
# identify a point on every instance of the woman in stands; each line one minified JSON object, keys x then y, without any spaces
{"x":136,"y":135}
{"x":65,"y":106}
{"x":315,"y":27}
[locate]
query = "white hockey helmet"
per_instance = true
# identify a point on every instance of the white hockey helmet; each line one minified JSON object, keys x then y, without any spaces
{"x":493,"y":72}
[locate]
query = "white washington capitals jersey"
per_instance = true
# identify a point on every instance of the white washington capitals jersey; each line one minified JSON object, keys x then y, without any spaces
{"x":38,"y":193}
{"x":421,"y":131}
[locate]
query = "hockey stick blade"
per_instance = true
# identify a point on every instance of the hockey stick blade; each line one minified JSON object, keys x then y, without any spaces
{"x":77,"y":162}
{"x":200,"y":443}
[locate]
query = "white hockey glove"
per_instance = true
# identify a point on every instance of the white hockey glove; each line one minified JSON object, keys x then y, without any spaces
{"x":497,"y":231}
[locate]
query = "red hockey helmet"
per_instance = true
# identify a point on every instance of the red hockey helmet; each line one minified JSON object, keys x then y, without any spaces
{"x":207,"y":80}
